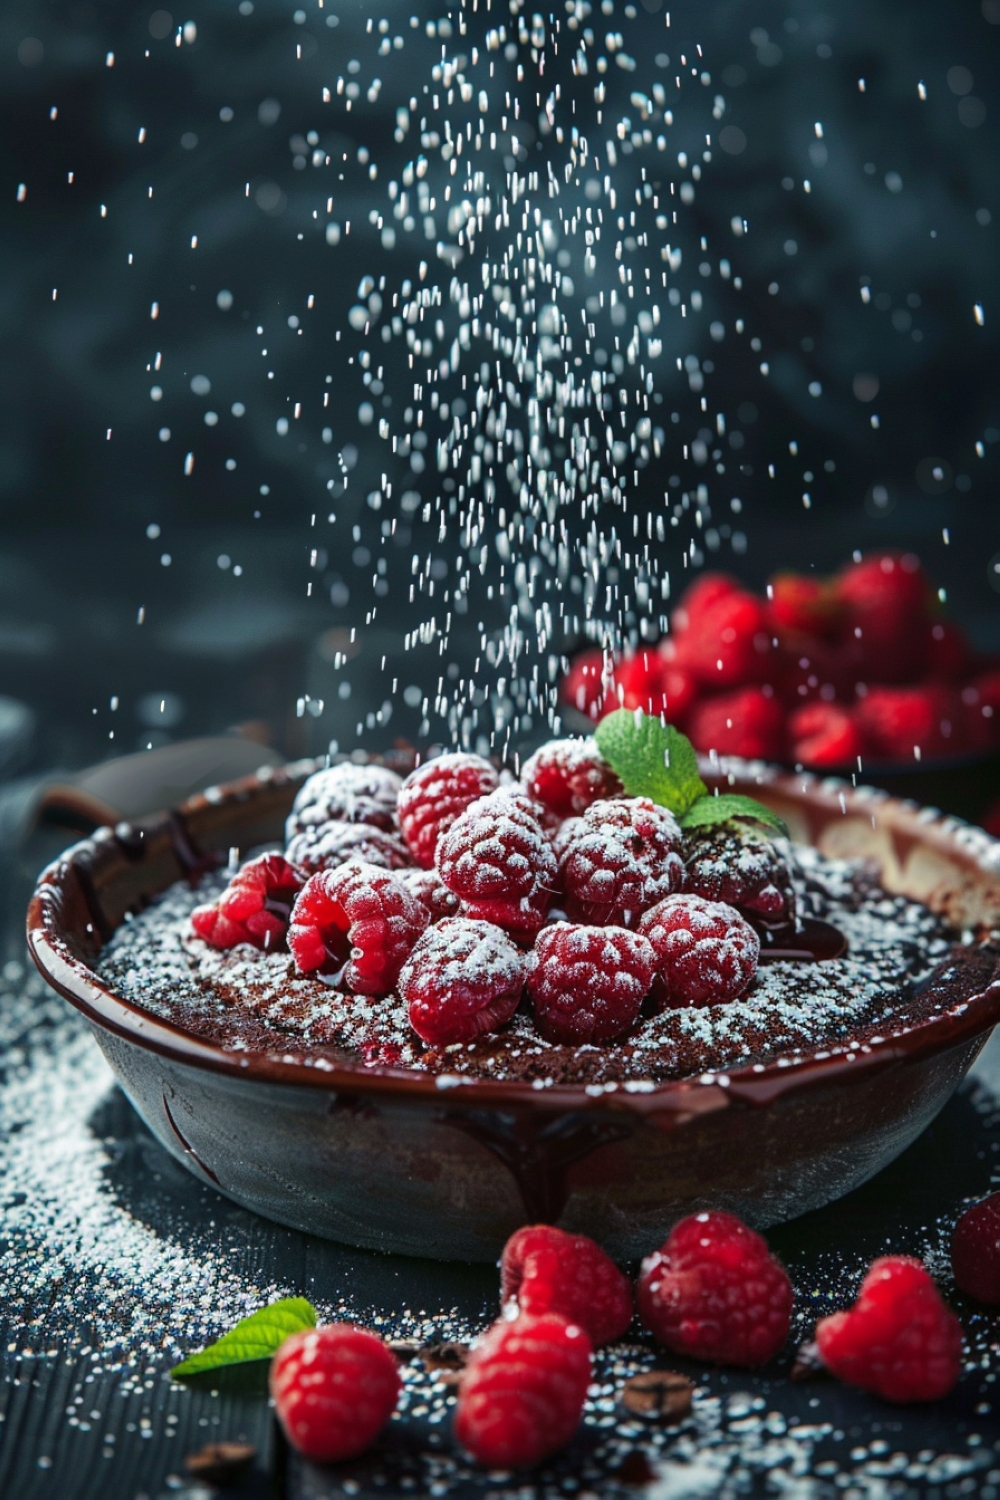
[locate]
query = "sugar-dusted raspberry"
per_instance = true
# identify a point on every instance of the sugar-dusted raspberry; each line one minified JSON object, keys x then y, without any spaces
{"x":748,"y":722}
{"x":620,"y":858}
{"x":566,"y":776}
{"x":825,"y":734}
{"x":546,"y":1270}
{"x":346,"y":794}
{"x":899,"y":1340}
{"x":435,"y":793}
{"x":361,"y":915}
{"x":705,"y":952}
{"x":254,"y":908}
{"x":334,"y":1389}
{"x":714,"y":1291}
{"x":499,"y":863}
{"x":737,"y":864}
{"x":522,"y":1394}
{"x":429,"y":888}
{"x":587,"y":984}
{"x":975,"y":1250}
{"x":327,"y":845}
{"x":462,"y":979}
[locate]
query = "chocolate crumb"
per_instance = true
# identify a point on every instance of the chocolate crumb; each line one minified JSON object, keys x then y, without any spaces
{"x":635,"y":1469}
{"x":808,"y":1363}
{"x":221,"y":1463}
{"x":658,"y":1393}
{"x":446,"y":1361}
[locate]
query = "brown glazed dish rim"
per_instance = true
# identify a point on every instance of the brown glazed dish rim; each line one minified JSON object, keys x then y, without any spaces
{"x":52,"y":941}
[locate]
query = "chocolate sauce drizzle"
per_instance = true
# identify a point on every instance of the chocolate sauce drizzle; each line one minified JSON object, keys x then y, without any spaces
{"x":808,"y":941}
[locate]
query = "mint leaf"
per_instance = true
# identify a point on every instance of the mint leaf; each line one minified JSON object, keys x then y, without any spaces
{"x":651,"y":759}
{"x":708,"y":811}
{"x":255,"y":1337}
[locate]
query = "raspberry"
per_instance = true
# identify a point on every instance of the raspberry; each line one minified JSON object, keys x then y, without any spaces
{"x":824,"y":734}
{"x":898,"y":721}
{"x":346,"y":794}
{"x":949,"y":654}
{"x":361,"y":913}
{"x":522,"y":1394}
{"x":748,"y":723}
{"x":706,"y":953}
{"x":899,"y":1339}
{"x":334,"y":1389}
{"x":566,"y":776}
{"x":254,"y":908}
{"x":886,"y":600}
{"x":735,"y":864}
{"x":975,"y":1250}
{"x":588,"y":983}
{"x":497,"y":860}
{"x":462,"y":979}
{"x":811,"y":670}
{"x":714,"y":1291}
{"x":981,"y":712}
{"x":619,"y":859}
{"x":702,"y":595}
{"x":585,"y":685}
{"x":728,"y":643}
{"x":806,"y":606}
{"x":435,"y":793}
{"x":326,"y":845}
{"x":428,"y":887}
{"x":545,"y":1270}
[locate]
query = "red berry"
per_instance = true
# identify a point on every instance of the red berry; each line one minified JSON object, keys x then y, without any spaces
{"x":886,"y":601}
{"x":587,"y":984}
{"x":498,"y":861}
{"x":618,"y":860}
{"x":824,"y":734}
{"x":899,"y":1339}
{"x":585,"y":685}
{"x":750,"y":723}
{"x":714,"y":1291}
{"x":435,"y":793}
{"x":545,"y":1270}
{"x":334,"y":1389}
{"x":706,"y":953}
{"x":949,"y":654}
{"x":566,"y":776}
{"x":346,"y":794}
{"x":640,"y":681}
{"x":738,"y":865}
{"x":701,"y":596}
{"x":462,"y":979}
{"x":254,"y":908}
{"x":326,"y":845}
{"x":975,"y":1250}
{"x":522,"y":1395}
{"x":899,"y":721}
{"x":429,"y":888}
{"x":357,"y":914}
{"x":729,"y":643}
{"x":807,"y":606}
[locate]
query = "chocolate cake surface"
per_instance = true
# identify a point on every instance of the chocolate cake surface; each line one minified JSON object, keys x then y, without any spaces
{"x":903,"y":965}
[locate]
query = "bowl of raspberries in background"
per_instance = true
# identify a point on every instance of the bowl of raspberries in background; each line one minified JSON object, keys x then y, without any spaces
{"x":860,"y":674}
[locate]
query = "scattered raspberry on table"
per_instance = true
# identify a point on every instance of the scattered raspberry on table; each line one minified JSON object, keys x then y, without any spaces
{"x":546,"y":1270}
{"x":522,"y":1395}
{"x":714,"y":1291}
{"x":334,"y":1389}
{"x":899,"y":1340}
{"x":975,"y":1250}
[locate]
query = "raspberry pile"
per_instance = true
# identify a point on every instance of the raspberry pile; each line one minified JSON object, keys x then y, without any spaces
{"x":713,"y":1293}
{"x":818,"y":673}
{"x":462,"y":895}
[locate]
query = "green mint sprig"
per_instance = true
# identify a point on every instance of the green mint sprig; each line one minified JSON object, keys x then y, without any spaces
{"x":652,"y":759}
{"x":255,"y":1337}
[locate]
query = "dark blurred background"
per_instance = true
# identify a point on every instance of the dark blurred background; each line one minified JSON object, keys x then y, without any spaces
{"x":160,"y":572}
